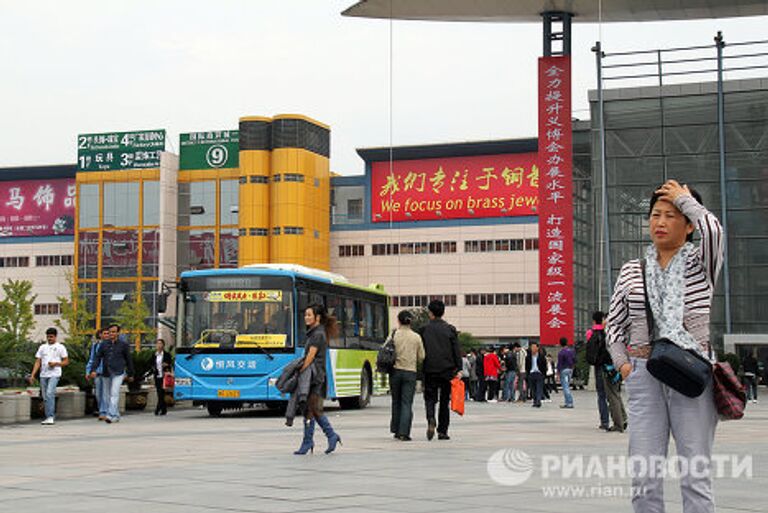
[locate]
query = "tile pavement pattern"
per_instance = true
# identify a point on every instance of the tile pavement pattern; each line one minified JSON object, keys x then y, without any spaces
{"x":187,"y":462}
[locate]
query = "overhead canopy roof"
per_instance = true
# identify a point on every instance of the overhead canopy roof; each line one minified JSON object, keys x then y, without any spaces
{"x":585,"y":11}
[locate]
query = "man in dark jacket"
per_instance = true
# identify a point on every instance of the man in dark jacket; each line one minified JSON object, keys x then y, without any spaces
{"x":115,"y":356}
{"x":442,"y":362}
{"x":536,"y":369}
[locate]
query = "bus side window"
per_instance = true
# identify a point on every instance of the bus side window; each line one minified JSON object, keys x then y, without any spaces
{"x":334,"y":307}
{"x":301,"y":335}
{"x":351,"y":328}
{"x":380,"y":322}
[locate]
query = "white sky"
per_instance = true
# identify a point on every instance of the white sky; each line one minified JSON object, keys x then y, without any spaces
{"x":69,"y":67}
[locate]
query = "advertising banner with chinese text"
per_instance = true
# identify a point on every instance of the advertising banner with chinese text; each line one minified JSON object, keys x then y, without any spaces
{"x":555,"y":201}
{"x":455,"y":188}
{"x":34,"y":208}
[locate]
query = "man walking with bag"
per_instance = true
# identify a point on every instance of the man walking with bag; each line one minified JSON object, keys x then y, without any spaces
{"x":442,"y":362}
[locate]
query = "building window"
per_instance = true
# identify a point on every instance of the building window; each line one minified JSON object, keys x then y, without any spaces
{"x":276,"y":178}
{"x":229,"y":201}
{"x":121,"y":203}
{"x":47,"y":309}
{"x":512,"y":298}
{"x":258,"y":179}
{"x":500,"y":245}
{"x":293,"y":177}
{"x":53,"y":260}
{"x":355,"y":208}
{"x":423,"y":301}
{"x":14,"y":262}
{"x":151,"y":202}
{"x":276,"y":230}
{"x":88,"y":205}
{"x":258,"y":232}
{"x":414,"y":248}
{"x":293,"y":230}
{"x":353,"y":250}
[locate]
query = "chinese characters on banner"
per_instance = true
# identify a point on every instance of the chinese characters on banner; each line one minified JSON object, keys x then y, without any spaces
{"x":34,"y":208}
{"x":555,"y":201}
{"x":455,"y":188}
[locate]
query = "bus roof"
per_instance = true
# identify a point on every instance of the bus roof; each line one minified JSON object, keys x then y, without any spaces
{"x":290,"y":270}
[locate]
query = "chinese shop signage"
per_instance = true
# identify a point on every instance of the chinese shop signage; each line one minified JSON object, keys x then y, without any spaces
{"x":555,"y":201}
{"x":120,"y":150}
{"x":210,"y":150}
{"x":455,"y":188}
{"x":37,"y":208}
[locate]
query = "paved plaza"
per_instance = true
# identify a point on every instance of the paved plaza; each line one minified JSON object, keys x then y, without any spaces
{"x":188,"y":462}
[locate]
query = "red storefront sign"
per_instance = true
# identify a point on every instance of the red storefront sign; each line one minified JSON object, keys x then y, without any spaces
{"x":555,"y":201}
{"x":31,"y":208}
{"x":455,"y":188}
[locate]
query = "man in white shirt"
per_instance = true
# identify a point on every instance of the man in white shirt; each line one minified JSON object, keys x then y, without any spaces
{"x":49,"y":360}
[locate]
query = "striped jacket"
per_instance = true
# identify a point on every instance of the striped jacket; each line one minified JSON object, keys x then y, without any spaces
{"x":627,"y":326}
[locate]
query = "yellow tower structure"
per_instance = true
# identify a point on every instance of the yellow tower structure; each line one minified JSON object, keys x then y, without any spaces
{"x":284,"y":191}
{"x":255,"y":164}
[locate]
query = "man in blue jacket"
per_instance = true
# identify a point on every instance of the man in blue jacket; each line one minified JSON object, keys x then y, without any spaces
{"x":98,"y":381}
{"x":115,"y":355}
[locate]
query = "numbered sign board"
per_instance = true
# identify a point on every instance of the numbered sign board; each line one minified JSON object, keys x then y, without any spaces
{"x":120,"y":150}
{"x":209,"y":150}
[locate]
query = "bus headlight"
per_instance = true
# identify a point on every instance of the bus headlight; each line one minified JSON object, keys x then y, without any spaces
{"x":272,"y":382}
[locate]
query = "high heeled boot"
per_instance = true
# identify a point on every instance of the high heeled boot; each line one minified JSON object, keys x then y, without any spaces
{"x":307,"y":444}
{"x":333,"y":437}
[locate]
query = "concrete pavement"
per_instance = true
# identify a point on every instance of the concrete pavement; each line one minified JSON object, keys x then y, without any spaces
{"x":191,"y":463}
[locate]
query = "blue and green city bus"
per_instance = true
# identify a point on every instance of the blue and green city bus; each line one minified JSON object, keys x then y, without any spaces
{"x":238,"y":328}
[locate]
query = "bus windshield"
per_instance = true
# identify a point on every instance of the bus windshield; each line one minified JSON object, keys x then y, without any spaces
{"x":259,"y":314}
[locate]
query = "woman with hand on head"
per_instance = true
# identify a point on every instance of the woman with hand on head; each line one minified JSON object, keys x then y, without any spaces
{"x":679,"y":279}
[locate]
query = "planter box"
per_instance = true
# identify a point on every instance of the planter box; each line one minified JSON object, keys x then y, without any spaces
{"x":70,"y":404}
{"x":7,"y":409}
{"x":23,"y":402}
{"x":151,"y":398}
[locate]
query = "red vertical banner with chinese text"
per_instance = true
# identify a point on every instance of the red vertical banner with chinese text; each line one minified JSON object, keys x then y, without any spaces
{"x":556,"y":298}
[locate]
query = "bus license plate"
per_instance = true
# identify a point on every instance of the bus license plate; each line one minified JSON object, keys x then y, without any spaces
{"x":229,"y":394}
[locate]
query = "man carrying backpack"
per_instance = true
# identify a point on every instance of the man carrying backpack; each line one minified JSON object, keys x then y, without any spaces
{"x":606,"y":382}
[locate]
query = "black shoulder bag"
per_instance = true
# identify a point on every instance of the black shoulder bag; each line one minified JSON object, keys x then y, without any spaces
{"x":681,"y":369}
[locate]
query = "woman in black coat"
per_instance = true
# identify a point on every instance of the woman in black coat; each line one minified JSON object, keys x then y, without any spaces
{"x":320,"y":326}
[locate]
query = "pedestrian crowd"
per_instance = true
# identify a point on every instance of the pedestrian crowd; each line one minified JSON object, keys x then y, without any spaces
{"x":109,"y":365}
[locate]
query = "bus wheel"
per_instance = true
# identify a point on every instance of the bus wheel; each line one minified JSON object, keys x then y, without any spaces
{"x":362,"y":400}
{"x":214,"y":409}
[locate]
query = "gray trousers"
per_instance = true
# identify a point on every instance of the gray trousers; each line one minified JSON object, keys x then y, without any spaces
{"x":655,"y":411}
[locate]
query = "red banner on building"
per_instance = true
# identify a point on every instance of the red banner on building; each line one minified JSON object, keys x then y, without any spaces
{"x":31,"y":208}
{"x":556,"y":299}
{"x":455,"y":188}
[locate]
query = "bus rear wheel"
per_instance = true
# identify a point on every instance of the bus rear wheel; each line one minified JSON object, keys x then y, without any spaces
{"x":214,"y":409}
{"x":361,"y":401}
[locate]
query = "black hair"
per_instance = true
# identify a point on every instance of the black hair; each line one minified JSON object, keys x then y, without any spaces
{"x":516,"y":344}
{"x":114,"y":325}
{"x":405,"y":317}
{"x":598,"y":317}
{"x":656,"y":196}
{"x":563,"y":341}
{"x":161,"y":341}
{"x":51,"y":331}
{"x":328,"y":321}
{"x":437,"y":308}
{"x":102,"y":330}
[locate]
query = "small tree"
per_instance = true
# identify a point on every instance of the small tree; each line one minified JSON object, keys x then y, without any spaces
{"x":468,"y":342}
{"x":16,"y":323}
{"x":420,"y":318}
{"x":16,"y":309}
{"x":132,"y":318}
{"x":76,"y":323}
